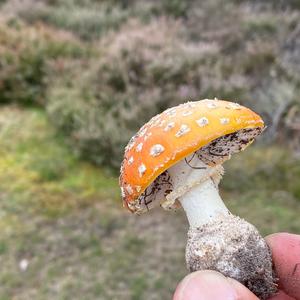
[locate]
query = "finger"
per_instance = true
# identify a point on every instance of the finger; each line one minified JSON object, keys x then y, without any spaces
{"x":286,"y":257}
{"x":281,"y":295}
{"x":211,"y":285}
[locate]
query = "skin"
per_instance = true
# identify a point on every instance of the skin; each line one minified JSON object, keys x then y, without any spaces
{"x":211,"y":285}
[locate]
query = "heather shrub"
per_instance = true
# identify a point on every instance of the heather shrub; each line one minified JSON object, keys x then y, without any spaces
{"x":257,"y":62}
{"x":143,"y":69}
{"x":90,"y":19}
{"x":290,"y":58}
{"x":86,"y":19}
{"x":277,"y":4}
{"x":146,"y":63}
{"x":25,"y":55}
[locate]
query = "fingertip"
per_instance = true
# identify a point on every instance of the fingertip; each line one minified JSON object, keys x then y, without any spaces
{"x":281,"y":238}
{"x":281,"y":296}
{"x":241,"y":290}
{"x":211,"y":285}
{"x":286,"y":257}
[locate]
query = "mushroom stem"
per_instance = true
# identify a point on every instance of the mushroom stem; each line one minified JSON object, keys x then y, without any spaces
{"x":203,"y":203}
{"x":218,"y":240}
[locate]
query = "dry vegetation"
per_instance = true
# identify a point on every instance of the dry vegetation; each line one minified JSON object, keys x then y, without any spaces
{"x":77,"y":79}
{"x":109,"y":65}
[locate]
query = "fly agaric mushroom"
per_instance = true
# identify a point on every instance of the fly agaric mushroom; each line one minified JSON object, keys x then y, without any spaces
{"x":175,"y":160}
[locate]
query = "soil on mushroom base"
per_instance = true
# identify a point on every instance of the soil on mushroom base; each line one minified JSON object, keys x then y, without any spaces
{"x":235,"y":248}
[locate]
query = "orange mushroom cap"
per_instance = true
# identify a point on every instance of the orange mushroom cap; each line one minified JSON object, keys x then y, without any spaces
{"x":174,"y":134}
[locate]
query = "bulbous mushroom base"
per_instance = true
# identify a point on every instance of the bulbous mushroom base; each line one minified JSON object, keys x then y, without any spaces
{"x":230,"y":245}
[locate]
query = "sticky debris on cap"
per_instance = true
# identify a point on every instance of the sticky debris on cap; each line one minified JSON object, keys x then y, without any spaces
{"x":174,"y":134}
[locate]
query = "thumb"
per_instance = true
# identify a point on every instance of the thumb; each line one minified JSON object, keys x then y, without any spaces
{"x":211,"y":285}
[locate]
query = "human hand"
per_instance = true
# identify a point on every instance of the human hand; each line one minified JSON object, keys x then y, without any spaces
{"x":211,"y":285}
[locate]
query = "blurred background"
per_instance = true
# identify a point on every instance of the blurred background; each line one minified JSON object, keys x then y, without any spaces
{"x":77,"y":80}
